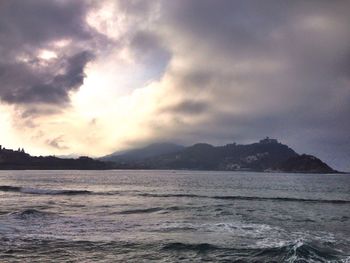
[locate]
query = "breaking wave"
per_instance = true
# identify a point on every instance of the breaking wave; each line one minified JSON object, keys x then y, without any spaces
{"x":297,"y":251}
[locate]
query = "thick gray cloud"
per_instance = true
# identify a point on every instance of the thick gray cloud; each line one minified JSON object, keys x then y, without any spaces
{"x":33,"y":26}
{"x":35,"y":22}
{"x":23,"y":84}
{"x":276,"y":68}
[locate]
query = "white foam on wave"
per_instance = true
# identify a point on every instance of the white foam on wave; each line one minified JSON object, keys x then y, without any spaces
{"x":265,"y":236}
{"x":236,"y":229}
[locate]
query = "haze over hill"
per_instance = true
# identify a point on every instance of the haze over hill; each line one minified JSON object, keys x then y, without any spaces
{"x":149,"y":151}
{"x":265,"y":155}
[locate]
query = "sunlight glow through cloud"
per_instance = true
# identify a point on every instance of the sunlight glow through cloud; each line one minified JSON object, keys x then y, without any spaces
{"x":47,"y":54}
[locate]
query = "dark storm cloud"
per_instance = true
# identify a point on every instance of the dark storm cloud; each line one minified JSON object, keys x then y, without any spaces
{"x":22,"y":85}
{"x":35,"y":22}
{"x":29,"y":27}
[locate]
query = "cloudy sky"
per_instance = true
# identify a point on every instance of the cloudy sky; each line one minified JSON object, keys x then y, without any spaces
{"x":92,"y":77}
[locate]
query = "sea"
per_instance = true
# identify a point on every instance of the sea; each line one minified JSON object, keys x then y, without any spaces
{"x":173,"y":216}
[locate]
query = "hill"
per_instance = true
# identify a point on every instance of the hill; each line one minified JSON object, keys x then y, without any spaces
{"x":265,"y":155}
{"x":307,"y":163}
{"x":19,"y":160}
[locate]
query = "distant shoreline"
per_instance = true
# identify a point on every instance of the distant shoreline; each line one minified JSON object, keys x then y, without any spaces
{"x":267,"y":155}
{"x":176,"y":170}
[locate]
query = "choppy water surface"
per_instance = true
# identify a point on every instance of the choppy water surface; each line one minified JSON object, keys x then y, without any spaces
{"x":166,"y":216}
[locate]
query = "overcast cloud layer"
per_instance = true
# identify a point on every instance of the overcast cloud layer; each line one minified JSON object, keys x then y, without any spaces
{"x":123,"y":73}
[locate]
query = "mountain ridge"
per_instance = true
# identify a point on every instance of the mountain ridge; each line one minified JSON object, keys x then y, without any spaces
{"x":267,"y":155}
{"x":20,"y":160}
{"x":264,"y":156}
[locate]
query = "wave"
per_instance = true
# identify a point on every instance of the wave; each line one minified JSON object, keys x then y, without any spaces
{"x":170,"y":195}
{"x":171,"y":251}
{"x":54,"y":192}
{"x":27,"y":190}
{"x":239,"y":229}
{"x":148,"y":210}
{"x":253,"y":198}
{"x":6,"y":188}
{"x":140,"y":211}
{"x":297,"y":251}
{"x":202,"y":247}
{"x":30,"y":213}
{"x":300,"y":251}
{"x":287,"y":199}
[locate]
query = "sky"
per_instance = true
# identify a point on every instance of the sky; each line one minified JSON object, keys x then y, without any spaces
{"x":91,"y":77}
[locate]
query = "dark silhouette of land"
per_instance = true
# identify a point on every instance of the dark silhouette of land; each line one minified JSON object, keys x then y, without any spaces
{"x":20,"y":160}
{"x":267,"y":155}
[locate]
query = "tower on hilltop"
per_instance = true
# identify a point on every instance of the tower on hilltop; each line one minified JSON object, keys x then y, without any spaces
{"x":268,"y":140}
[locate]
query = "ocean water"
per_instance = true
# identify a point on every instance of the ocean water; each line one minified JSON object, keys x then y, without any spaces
{"x":173,"y":216}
